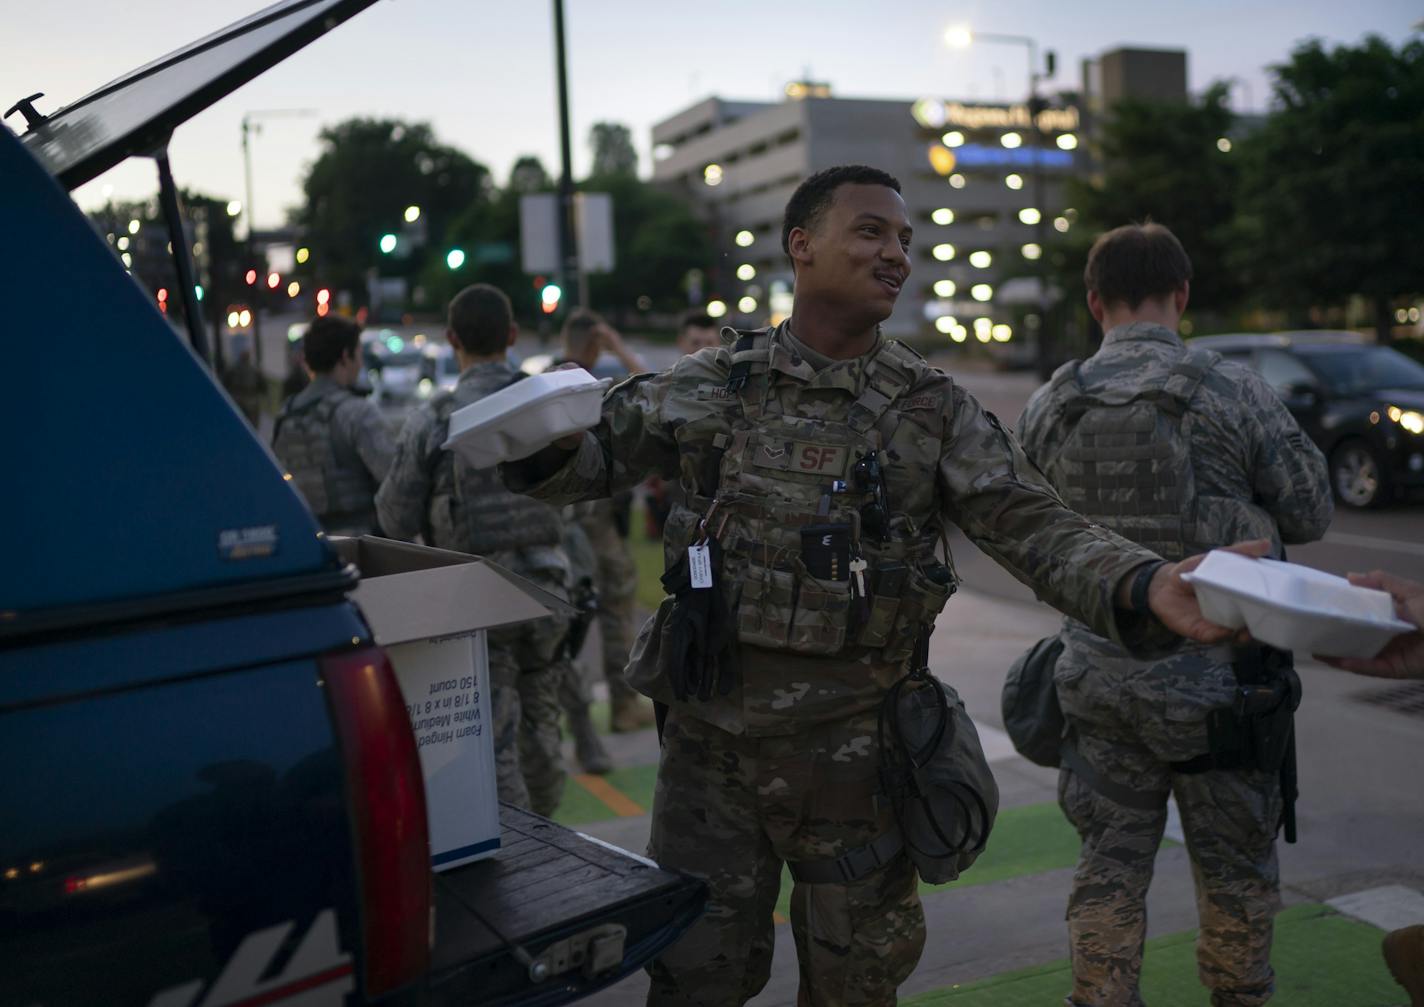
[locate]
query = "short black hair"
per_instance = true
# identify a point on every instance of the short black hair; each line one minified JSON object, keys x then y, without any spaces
{"x":813,"y":196}
{"x":327,"y":339}
{"x":480,"y":317}
{"x":1135,"y":263}
{"x":697,"y":319}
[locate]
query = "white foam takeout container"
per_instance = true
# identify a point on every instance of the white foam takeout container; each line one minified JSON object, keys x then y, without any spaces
{"x":1294,"y":607}
{"x":528,"y":415}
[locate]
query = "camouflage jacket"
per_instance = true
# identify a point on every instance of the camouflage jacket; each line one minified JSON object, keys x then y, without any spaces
{"x":335,"y":445}
{"x":432,"y":493}
{"x":1255,"y":472}
{"x":779,"y":458}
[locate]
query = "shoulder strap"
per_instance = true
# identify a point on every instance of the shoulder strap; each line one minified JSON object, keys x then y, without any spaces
{"x":745,"y":353}
{"x":889,"y":374}
{"x":1186,"y":376}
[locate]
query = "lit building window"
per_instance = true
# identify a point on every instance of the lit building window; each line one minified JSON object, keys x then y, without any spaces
{"x":944,"y":215}
{"x":1014,"y":182}
{"x":747,"y":305}
{"x":954,"y":138}
{"x":745,"y":238}
{"x":980,"y":259}
{"x":1029,"y":215}
{"x":957,"y":180}
{"x":944,"y":288}
{"x":943,"y":252}
{"x":1002,"y":333}
{"x":716,"y":308}
{"x":1011,"y":140}
{"x":712,"y":175}
{"x":981,"y":291}
{"x":1067,"y":141}
{"x":746,"y":271}
{"x":1032,"y":251}
{"x":1224,"y":145}
{"x":1060,"y":224}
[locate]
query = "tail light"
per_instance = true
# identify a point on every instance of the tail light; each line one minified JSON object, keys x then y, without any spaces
{"x":386,"y":793}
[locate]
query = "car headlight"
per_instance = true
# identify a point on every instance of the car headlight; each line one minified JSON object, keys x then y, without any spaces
{"x":1409,"y":419}
{"x":425,"y":387}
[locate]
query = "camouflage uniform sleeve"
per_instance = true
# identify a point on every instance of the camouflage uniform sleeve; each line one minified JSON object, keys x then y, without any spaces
{"x":372,"y":439}
{"x":1288,"y":472}
{"x":1001,"y":502}
{"x":633,"y":440}
{"x":404,"y":495}
{"x":1035,"y":432}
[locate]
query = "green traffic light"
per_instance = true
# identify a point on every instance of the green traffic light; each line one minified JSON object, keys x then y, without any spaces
{"x":388,"y":243}
{"x":455,"y":259}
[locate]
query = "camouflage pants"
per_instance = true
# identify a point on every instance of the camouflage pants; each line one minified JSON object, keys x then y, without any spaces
{"x":1228,"y":820}
{"x":617,"y":586}
{"x":731,"y":809}
{"x":526,"y":673}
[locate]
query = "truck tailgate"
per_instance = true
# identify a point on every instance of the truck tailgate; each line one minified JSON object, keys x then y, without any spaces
{"x":549,"y":890}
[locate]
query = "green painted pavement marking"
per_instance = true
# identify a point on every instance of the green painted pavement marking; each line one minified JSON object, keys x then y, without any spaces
{"x":1322,"y":959}
{"x":579,"y":807}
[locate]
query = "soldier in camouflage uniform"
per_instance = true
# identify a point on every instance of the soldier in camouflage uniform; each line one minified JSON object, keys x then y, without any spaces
{"x":586,"y":337}
{"x":1181,"y":452}
{"x":434,"y":493}
{"x":333,"y":442}
{"x":820,"y":431}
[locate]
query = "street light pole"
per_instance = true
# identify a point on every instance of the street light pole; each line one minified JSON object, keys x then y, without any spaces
{"x":571,"y":284}
{"x":249,"y":127}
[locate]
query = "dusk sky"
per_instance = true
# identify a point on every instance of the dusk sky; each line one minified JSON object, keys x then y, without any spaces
{"x":483,"y":74}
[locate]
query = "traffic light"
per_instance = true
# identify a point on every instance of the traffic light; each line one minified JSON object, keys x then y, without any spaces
{"x":549,"y":298}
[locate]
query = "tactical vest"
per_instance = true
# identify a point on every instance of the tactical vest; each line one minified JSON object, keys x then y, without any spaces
{"x":335,"y":484}
{"x":470,"y":509}
{"x":790,"y":511}
{"x":1126,"y":463}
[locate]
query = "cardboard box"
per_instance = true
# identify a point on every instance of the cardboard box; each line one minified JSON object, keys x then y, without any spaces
{"x":430,"y":609}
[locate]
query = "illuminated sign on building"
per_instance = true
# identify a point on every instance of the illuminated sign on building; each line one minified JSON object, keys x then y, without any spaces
{"x":934,"y":114}
{"x":973,"y":155}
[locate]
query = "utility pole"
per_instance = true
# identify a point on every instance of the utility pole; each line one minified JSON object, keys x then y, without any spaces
{"x":249,"y":126}
{"x":571,"y":278}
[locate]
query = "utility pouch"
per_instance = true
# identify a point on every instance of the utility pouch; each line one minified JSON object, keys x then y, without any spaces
{"x":1271,"y":724}
{"x":923,"y":598}
{"x":1228,"y":741}
{"x":885,"y":602}
{"x":825,"y":551}
{"x":783,"y":610}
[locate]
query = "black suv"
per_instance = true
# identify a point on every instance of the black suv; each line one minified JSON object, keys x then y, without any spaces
{"x":1363,"y":405}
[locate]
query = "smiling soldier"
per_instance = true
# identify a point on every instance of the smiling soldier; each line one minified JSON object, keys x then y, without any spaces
{"x":819,"y":464}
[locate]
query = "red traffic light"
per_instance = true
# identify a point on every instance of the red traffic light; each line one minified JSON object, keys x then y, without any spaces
{"x":251,"y":277}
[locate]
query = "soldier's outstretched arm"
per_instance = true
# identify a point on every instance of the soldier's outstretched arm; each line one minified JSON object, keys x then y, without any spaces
{"x":404,"y":495}
{"x":635,"y":438}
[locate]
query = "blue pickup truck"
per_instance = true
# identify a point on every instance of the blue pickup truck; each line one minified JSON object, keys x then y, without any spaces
{"x":210,"y":791}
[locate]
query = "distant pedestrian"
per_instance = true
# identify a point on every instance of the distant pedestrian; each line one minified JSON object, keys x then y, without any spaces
{"x":1181,"y":452}
{"x":586,"y":336}
{"x":244,"y":382}
{"x":333,"y":442}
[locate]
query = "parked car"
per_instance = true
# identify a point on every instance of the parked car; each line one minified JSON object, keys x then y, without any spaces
{"x":1362,"y":403}
{"x":213,"y":793}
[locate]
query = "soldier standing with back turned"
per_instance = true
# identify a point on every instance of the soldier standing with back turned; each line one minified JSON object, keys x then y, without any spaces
{"x":819,"y":463}
{"x":1181,"y":452}
{"x":333,"y":442}
{"x":436,"y":494}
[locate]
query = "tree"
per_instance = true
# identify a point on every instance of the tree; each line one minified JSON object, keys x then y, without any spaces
{"x":528,"y":175}
{"x":613,"y":151}
{"x":1334,"y":182}
{"x":369,"y":171}
{"x":1162,"y":160}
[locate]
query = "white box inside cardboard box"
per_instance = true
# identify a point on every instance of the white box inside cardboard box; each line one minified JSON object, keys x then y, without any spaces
{"x":431,"y":609}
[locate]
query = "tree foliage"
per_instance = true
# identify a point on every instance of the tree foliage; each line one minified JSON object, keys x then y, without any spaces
{"x":1333,"y":192}
{"x":1161,"y":161}
{"x":613,"y":151}
{"x":368,"y":172}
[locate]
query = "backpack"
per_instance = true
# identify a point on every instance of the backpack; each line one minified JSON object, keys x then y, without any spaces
{"x":301,"y":440}
{"x":1125,"y":463}
{"x":1032,"y":717}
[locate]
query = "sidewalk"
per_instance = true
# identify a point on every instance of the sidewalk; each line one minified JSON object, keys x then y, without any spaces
{"x":997,"y":936}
